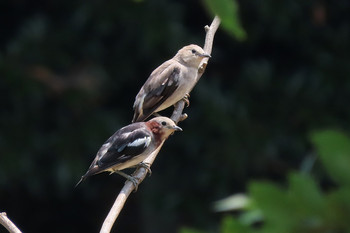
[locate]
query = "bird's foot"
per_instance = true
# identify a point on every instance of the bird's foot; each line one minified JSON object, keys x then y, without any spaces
{"x":186,"y":99}
{"x":135,"y":181}
{"x":146,"y":166}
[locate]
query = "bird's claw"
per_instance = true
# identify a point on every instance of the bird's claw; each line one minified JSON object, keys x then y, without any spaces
{"x":186,"y":99}
{"x":146,"y":166}
{"x":134,"y":180}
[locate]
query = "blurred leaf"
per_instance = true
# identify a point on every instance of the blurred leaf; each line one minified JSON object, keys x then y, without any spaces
{"x":251,"y":217}
{"x":339,"y":204}
{"x":308,"y":204}
{"x":341,"y":197}
{"x":338,"y":209}
{"x":231,"y":225}
{"x":227,"y":10}
{"x":305,"y":193}
{"x":234,"y":202}
{"x":334,"y":150}
{"x":274,"y":204}
{"x":268,"y":197}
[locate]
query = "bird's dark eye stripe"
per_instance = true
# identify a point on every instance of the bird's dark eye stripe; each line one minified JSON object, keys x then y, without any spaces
{"x":163,"y":123}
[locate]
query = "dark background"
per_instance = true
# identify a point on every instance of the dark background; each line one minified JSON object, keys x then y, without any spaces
{"x":69,"y":73}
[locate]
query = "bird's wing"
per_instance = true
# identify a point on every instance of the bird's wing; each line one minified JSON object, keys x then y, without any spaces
{"x":126,"y":143}
{"x":123,"y":147}
{"x":162,"y":83}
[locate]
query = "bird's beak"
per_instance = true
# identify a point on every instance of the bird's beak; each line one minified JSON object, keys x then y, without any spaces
{"x":177,"y":128}
{"x":204,"y":55}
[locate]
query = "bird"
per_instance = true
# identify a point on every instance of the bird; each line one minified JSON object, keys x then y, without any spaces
{"x":170,"y":82}
{"x":130,"y":145}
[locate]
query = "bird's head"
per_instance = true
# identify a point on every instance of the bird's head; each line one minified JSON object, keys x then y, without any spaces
{"x":191,"y":55}
{"x":162,"y":127}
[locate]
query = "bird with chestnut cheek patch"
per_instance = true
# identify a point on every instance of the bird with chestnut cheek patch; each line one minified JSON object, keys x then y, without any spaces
{"x":130,"y":145}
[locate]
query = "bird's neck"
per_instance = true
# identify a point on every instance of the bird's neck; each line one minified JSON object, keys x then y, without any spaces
{"x":159,"y":137}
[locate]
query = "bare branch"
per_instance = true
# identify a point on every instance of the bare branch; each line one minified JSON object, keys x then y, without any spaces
{"x":208,"y":45}
{"x":8,"y":224}
{"x":177,"y":116}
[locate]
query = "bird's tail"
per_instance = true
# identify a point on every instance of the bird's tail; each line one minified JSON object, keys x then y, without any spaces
{"x":81,"y":180}
{"x":94,"y":169}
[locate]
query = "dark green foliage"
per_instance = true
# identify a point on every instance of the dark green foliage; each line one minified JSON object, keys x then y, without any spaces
{"x":301,"y":206}
{"x":227,"y":10}
{"x":334,"y":150}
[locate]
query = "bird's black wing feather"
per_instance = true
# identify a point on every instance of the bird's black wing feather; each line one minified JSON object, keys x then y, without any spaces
{"x":125,"y":144}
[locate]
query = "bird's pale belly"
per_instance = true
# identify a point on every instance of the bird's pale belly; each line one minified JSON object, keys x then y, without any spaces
{"x":132,"y":162}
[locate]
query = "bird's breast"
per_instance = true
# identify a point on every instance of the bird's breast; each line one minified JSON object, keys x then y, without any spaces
{"x":187,"y":80}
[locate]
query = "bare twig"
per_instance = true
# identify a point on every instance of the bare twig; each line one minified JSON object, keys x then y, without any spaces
{"x":208,"y":45}
{"x":177,"y":116}
{"x":8,"y":224}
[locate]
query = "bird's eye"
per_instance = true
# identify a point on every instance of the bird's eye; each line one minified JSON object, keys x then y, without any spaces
{"x":163,"y":123}
{"x":193,"y":51}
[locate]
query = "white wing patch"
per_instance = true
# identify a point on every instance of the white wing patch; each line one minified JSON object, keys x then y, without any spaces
{"x":145,"y":140}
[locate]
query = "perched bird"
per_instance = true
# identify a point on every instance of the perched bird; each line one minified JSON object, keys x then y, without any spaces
{"x":169,"y":83}
{"x":130,"y":145}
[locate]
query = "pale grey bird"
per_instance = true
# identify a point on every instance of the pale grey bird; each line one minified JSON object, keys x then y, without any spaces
{"x":169,"y":83}
{"x":130,"y":145}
